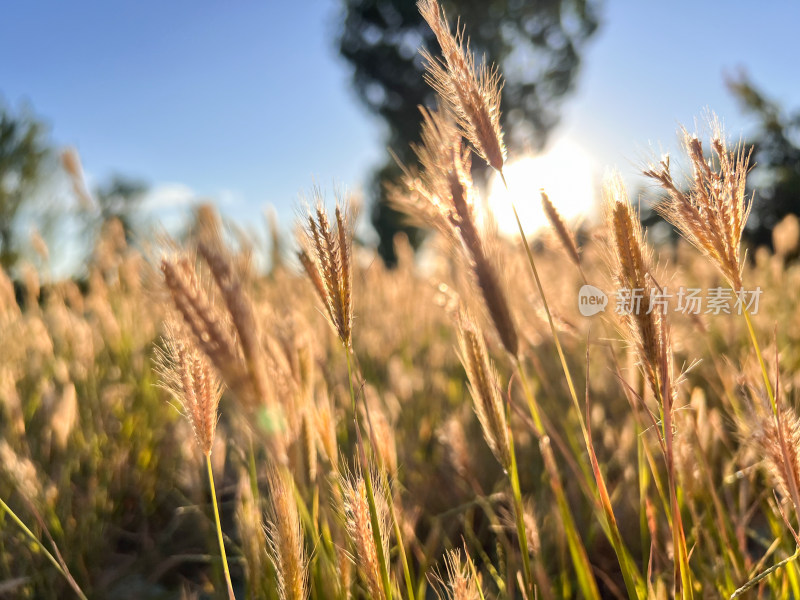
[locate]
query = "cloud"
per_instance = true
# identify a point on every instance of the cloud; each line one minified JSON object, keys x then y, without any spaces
{"x":227,"y":197}
{"x":169,"y":195}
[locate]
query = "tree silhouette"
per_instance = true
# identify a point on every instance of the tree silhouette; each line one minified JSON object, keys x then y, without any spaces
{"x":537,"y":46}
{"x":23,"y":148}
{"x":119,"y":199}
{"x":776,"y":154}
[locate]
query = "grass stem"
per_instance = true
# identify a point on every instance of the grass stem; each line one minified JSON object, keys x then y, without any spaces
{"x":219,"y":529}
{"x":373,"y":510}
{"x":46,"y":552}
{"x":519,"y":516}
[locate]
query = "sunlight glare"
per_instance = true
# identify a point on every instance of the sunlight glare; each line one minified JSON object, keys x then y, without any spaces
{"x":565,"y":172}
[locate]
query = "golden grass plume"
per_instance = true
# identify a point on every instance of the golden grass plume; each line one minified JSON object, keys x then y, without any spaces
{"x":458,"y":581}
{"x":484,"y":388}
{"x":359,"y":528}
{"x":471,"y":91}
{"x":712,"y":214}
{"x":326,"y":256}
{"x":286,"y":547}
{"x":563,"y":232}
{"x":631,"y":263}
{"x":191,"y":381}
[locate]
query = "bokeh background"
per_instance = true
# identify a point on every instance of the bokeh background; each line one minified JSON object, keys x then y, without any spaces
{"x":120,"y":122}
{"x":249,"y":105}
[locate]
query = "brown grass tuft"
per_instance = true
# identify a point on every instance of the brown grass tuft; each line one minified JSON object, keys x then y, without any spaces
{"x":190,"y":380}
{"x":471,"y":91}
{"x":285,"y":538}
{"x":359,"y":527}
{"x":459,"y":581}
{"x":485,"y":389}
{"x":562,"y":231}
{"x":326,"y":257}
{"x":713,"y":213}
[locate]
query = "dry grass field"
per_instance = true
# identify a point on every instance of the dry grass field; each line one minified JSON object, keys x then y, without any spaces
{"x":189,"y":427}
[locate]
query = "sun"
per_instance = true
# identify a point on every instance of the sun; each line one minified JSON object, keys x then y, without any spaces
{"x":565,"y":172}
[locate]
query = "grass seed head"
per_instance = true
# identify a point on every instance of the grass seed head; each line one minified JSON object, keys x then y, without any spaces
{"x":326,"y":257}
{"x":241,"y":314}
{"x":485,"y":389}
{"x":489,"y":283}
{"x":712,"y":214}
{"x":458,"y":581}
{"x":359,"y":528}
{"x":471,"y":91}
{"x":563,"y":232}
{"x":761,"y":433}
{"x":208,"y":324}
{"x":631,"y":263}
{"x":286,"y":547}
{"x":189,"y":378}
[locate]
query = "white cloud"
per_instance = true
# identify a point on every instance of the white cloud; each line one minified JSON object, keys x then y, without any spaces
{"x":169,"y":195}
{"x":227,"y":197}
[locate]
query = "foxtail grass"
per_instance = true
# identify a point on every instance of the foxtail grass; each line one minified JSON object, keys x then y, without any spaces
{"x":326,"y":258}
{"x":330,"y":272}
{"x":648,"y":331}
{"x":471,"y":91}
{"x":493,"y":416}
{"x":712,"y":215}
{"x":473,"y":95}
{"x":459,"y":581}
{"x":563,"y":232}
{"x":190,"y":380}
{"x":285,"y":538}
{"x":367,"y":524}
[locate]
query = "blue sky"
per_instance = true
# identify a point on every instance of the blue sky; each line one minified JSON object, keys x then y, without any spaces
{"x":249,"y":104}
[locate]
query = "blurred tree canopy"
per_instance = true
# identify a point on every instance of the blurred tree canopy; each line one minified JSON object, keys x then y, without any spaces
{"x":119,"y":199}
{"x":776,"y":154}
{"x":23,"y":148}
{"x":537,"y":46}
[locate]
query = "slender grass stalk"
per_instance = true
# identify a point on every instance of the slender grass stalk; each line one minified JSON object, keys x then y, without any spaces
{"x":495,"y":417}
{"x":219,"y":529}
{"x":761,"y":362}
{"x":633,"y":581}
{"x":644,"y":486}
{"x":682,"y":572}
{"x":782,"y":442}
{"x":387,"y":492}
{"x":474,"y":575}
{"x":610,"y":525}
{"x":373,"y":510}
{"x":475,"y":543}
{"x":72,"y":583}
{"x":374,"y":521}
{"x":519,"y":517}
{"x":761,"y":576}
{"x":580,"y":558}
